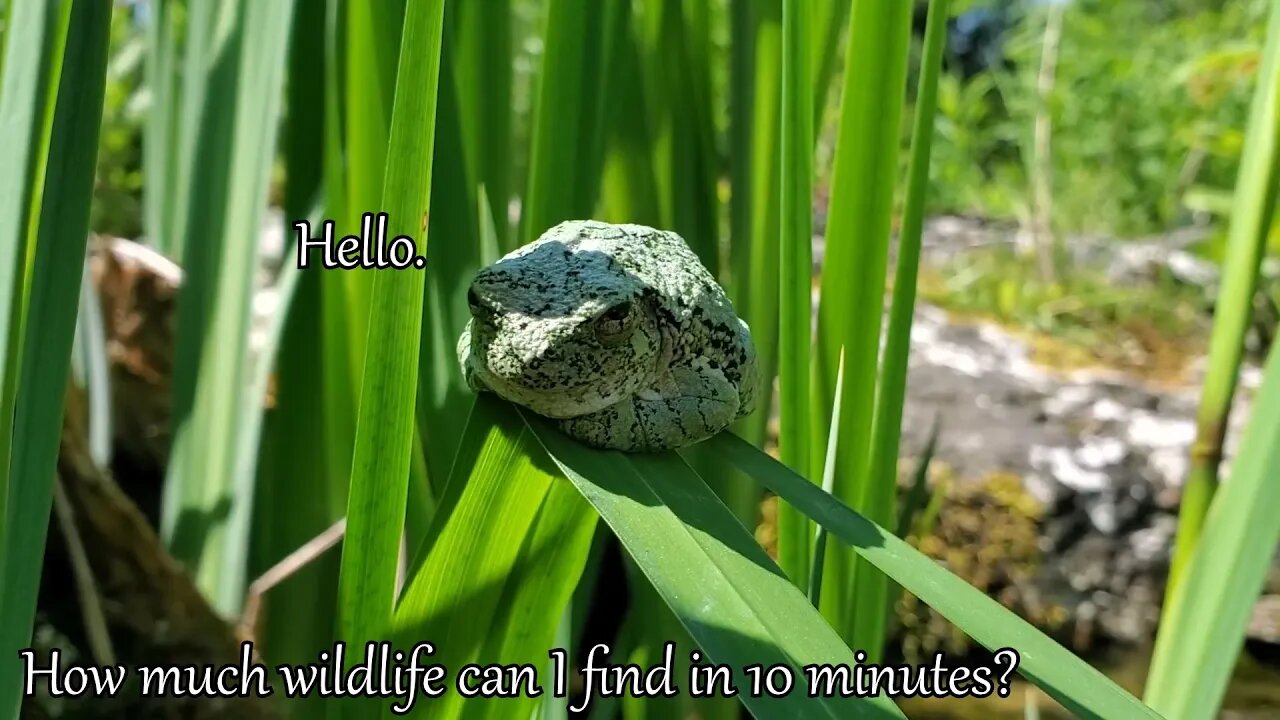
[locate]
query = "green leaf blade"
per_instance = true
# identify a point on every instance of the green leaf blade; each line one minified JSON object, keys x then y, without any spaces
{"x":1203,"y":630}
{"x":795,"y":271}
{"x":891,"y":388}
{"x":853,"y":280}
{"x":739,"y":607}
{"x":207,"y":508}
{"x":506,"y":549}
{"x":385,"y":425}
{"x":1065,"y":677}
{"x":22,"y":100}
{"x":1252,"y":213}
{"x":53,"y":297}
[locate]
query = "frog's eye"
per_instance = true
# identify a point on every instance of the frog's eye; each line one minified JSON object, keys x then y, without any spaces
{"x":479,"y":310}
{"x":612,"y":325}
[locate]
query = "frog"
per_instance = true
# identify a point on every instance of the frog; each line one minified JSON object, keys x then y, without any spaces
{"x":616,"y":332}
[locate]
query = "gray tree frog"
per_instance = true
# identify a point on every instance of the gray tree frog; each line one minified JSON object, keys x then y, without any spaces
{"x":618,"y":332}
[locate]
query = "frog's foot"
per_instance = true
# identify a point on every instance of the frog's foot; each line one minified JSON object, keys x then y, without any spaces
{"x":691,"y":403}
{"x":465,"y":361}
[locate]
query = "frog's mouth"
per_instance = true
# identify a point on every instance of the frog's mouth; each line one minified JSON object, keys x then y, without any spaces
{"x":567,"y":401}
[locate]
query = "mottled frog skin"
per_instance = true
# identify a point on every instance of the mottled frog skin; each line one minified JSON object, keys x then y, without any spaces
{"x":616,"y":331}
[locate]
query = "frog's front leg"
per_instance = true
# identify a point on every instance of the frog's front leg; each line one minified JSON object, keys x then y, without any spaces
{"x":465,"y":360}
{"x":689,"y":403}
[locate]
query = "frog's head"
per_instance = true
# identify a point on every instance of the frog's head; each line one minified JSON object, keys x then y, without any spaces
{"x":560,"y":328}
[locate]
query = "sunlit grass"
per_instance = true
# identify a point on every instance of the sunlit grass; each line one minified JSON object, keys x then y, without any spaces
{"x":854,"y":266}
{"x":472,"y":523}
{"x":385,"y":427}
{"x":52,"y":184}
{"x":1225,"y":537}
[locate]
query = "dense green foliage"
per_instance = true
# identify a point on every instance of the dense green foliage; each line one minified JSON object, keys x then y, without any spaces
{"x":747,"y":126}
{"x":1148,"y":104}
{"x":1146,"y":135}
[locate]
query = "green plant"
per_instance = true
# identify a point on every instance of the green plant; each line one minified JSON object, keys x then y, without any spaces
{"x":1250,"y":226}
{"x":47,"y":184}
{"x":480,"y":535}
{"x":1219,"y":561}
{"x":1134,"y":124}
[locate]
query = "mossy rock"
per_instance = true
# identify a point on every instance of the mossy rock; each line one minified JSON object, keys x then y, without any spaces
{"x":986,"y":532}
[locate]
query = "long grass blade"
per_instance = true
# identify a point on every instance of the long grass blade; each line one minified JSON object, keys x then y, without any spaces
{"x":22,"y":102}
{"x":830,"y":20}
{"x":297,"y":489}
{"x":881,"y":486}
{"x":483,"y":74}
{"x":208,"y":516}
{"x":628,"y":185}
{"x":741,"y":97}
{"x":550,"y":567}
{"x":1068,"y":679}
{"x":506,"y":549}
{"x":52,"y":296}
{"x":385,"y":428}
{"x":206,"y":73}
{"x":200,"y":57}
{"x":1203,"y":630}
{"x":795,"y":268}
{"x":373,"y":37}
{"x":370,"y":37}
{"x":160,"y":139}
{"x":746,"y":610}
{"x":443,"y":396}
{"x":828,"y":481}
{"x":755,"y":220}
{"x":1225,"y":536}
{"x":1250,"y":226}
{"x":91,"y":370}
{"x":299,"y":492}
{"x":853,"y":278}
{"x":340,"y":330}
{"x":679,"y":103}
{"x":566,"y":138}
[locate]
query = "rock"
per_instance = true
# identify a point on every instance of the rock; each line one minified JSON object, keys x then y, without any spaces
{"x":138,"y":288}
{"x":1104,"y":452}
{"x":147,"y":603}
{"x":1264,"y":624}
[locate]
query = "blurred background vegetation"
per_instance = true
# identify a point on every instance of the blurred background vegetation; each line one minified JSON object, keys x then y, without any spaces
{"x":1148,"y":109}
{"x":1143,"y":113}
